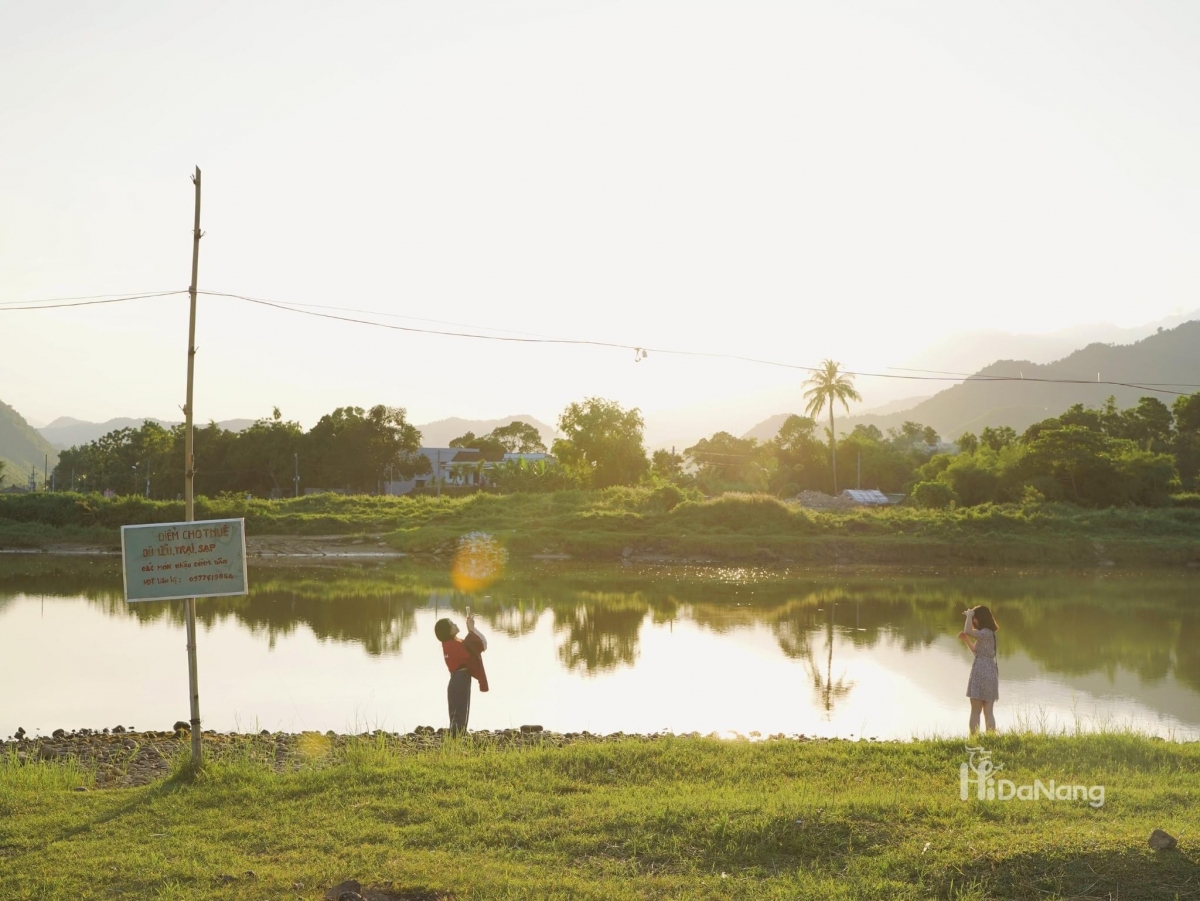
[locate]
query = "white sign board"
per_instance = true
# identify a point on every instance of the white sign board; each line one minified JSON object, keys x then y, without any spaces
{"x":174,"y":560}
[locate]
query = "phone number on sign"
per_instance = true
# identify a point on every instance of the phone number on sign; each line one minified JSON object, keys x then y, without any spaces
{"x":211,"y":577}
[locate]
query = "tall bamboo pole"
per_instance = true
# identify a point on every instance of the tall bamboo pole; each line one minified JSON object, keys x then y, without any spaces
{"x":189,"y":473}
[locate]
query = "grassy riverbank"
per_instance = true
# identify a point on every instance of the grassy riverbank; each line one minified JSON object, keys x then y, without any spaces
{"x":668,"y":817}
{"x":600,"y":525}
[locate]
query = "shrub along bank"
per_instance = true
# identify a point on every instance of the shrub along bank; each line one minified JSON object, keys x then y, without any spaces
{"x":663,"y":521}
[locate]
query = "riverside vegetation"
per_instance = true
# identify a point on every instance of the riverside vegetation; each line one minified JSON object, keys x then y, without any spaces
{"x":1090,"y":485}
{"x":666,"y":521}
{"x":623,"y":818}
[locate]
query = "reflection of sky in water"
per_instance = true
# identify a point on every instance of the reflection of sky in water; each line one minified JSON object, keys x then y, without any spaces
{"x":66,"y":662}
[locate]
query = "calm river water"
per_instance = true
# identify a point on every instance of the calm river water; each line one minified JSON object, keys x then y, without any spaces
{"x":853,"y":653}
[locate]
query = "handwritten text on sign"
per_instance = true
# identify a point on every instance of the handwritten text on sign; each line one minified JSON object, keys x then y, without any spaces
{"x":166,"y":561}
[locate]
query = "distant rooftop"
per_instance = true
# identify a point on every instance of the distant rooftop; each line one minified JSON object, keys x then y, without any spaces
{"x":869,"y":497}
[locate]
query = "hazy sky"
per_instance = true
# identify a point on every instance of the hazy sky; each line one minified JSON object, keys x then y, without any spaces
{"x":780,"y":180}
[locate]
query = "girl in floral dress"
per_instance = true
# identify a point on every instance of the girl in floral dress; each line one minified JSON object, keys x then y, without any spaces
{"x":983,"y":686}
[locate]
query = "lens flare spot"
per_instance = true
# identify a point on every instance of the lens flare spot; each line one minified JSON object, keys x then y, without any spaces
{"x":312,"y":745}
{"x":478,"y":562}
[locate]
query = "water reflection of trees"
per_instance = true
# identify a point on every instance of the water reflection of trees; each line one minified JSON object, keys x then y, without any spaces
{"x":601,"y":631}
{"x":1068,"y":624}
{"x":516,"y":620}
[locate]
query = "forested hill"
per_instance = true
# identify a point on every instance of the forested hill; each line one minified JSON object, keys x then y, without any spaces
{"x":1168,"y":356}
{"x":1171,"y":355}
{"x":21,"y":447}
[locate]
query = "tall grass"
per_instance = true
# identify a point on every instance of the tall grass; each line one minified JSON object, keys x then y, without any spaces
{"x":20,"y":777}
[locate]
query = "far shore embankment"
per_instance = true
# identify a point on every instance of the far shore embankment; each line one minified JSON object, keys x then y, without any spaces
{"x":660,"y":525}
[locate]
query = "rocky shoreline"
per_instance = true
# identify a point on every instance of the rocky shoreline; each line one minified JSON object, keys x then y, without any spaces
{"x":122,"y":757}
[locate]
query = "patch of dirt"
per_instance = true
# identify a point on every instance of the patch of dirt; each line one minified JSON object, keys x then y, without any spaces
{"x":819,"y":500}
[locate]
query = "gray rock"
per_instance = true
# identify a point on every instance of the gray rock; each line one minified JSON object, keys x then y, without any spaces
{"x":59,"y":733}
{"x":1162,"y":841}
{"x":335,"y":893}
{"x":531,"y":728}
{"x":181,"y":726}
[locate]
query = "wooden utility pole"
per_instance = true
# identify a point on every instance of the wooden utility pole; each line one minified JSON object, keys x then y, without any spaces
{"x":189,"y":474}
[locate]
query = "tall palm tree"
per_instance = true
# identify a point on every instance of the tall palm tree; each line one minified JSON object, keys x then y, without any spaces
{"x":825,"y":386}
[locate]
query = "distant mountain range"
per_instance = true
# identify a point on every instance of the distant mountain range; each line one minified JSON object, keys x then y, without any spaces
{"x":67,"y":432}
{"x":1166,"y":359}
{"x":969,"y":351}
{"x":1166,"y":355}
{"x":22,"y":448}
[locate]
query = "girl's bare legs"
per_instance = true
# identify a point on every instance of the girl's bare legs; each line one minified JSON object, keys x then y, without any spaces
{"x":976,"y":709}
{"x":988,"y":715}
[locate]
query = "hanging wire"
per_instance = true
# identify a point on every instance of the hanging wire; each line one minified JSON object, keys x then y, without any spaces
{"x":61,"y":302}
{"x":640,"y":352}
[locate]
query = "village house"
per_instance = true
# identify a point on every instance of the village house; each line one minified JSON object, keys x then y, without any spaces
{"x":458,"y":467}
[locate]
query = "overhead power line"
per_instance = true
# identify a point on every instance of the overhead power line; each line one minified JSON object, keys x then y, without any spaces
{"x":521,"y":338}
{"x":321,"y":306}
{"x":60,"y":302}
{"x":972,"y":375}
{"x":640,"y":351}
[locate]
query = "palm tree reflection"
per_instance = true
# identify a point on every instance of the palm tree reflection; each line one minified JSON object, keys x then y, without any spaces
{"x":825,"y":688}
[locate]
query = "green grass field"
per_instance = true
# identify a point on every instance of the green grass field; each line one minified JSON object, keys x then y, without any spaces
{"x":677,"y":817}
{"x":600,"y":525}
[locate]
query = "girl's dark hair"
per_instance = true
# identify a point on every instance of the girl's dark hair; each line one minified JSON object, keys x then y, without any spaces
{"x":985,"y":619}
{"x":443,"y":629}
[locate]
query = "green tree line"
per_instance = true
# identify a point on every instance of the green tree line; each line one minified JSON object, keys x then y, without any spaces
{"x":1091,"y":457}
{"x":351,"y":449}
